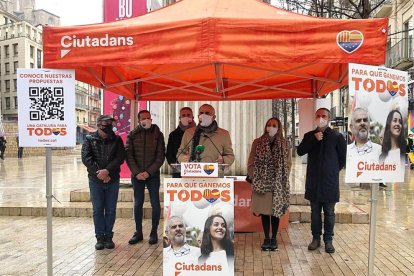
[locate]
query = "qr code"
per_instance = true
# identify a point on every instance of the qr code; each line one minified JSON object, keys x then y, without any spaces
{"x":46,"y":103}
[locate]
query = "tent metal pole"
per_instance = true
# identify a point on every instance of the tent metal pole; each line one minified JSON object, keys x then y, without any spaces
{"x":372,"y":228}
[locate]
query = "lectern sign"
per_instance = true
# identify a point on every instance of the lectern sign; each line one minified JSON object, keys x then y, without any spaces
{"x":199,"y":169}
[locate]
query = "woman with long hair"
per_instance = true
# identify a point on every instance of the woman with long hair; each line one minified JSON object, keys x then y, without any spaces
{"x":216,"y":244}
{"x":393,"y":144}
{"x":269,"y":167}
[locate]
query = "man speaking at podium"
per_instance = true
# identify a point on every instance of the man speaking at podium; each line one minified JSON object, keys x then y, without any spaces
{"x":206,"y":142}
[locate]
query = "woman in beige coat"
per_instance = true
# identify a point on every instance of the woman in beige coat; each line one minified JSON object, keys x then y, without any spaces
{"x":269,"y":167}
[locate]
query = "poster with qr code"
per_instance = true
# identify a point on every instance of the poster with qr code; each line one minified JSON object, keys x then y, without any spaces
{"x":46,"y":108}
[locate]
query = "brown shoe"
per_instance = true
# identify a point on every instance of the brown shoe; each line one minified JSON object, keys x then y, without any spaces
{"x":329,"y":248}
{"x":314,"y":244}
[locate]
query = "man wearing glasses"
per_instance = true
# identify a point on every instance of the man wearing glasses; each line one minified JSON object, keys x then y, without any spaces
{"x":178,"y":250}
{"x":362,"y":149}
{"x":216,"y":141}
{"x":145,"y":148}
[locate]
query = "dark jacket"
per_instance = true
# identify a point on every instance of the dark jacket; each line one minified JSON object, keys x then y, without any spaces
{"x":325,"y":159}
{"x":99,"y":154}
{"x":145,"y":150}
{"x":174,"y":142}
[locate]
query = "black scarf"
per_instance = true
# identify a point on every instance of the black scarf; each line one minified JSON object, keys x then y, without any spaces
{"x":197,"y":134}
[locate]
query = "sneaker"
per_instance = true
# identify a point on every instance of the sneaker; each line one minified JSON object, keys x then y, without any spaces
{"x":153,"y":239}
{"x":100,"y":243}
{"x":137,"y":237}
{"x":314,"y":244}
{"x":329,"y":248}
{"x":266,"y":245}
{"x":273,"y":244}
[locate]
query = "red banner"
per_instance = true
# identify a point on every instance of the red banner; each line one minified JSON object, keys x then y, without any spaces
{"x":118,"y":106}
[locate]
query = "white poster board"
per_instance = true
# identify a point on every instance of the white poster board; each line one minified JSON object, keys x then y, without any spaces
{"x":199,"y":201}
{"x":383,"y":92}
{"x":46,"y":107}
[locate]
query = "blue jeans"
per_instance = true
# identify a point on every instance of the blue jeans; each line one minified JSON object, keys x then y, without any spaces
{"x":153,"y":186}
{"x":316,"y":220}
{"x":104,"y":198}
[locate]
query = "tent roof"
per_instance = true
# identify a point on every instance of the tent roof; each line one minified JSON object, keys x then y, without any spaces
{"x":217,"y":50}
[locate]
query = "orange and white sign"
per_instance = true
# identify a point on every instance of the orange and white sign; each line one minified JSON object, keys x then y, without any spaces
{"x":46,"y":107}
{"x":197,"y":201}
{"x":199,"y":169}
{"x":382,"y":94}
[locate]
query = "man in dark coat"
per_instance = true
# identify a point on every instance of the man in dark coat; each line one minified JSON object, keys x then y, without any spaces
{"x":103,"y":154}
{"x":326,"y":151}
{"x":145,"y":148}
{"x":174,"y":139}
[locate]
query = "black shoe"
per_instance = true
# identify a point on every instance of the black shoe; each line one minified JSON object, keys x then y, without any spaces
{"x":266,"y":245}
{"x":329,"y":248}
{"x":382,"y":185}
{"x":314,"y":244}
{"x":273,"y":244}
{"x":137,"y":237}
{"x":108,"y":243}
{"x":153,"y":239}
{"x":100,"y":243}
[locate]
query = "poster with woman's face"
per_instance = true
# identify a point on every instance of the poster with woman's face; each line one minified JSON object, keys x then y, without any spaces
{"x":378,"y":123}
{"x":198,"y":226}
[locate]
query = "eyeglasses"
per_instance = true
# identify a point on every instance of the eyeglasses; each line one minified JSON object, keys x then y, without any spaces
{"x":366,"y":149}
{"x":185,"y":250}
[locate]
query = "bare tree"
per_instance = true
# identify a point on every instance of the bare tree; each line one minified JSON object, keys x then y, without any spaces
{"x":332,"y":8}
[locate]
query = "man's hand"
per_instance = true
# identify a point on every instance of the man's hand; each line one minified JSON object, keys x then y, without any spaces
{"x":142,"y":176}
{"x":107,"y":179}
{"x":102,"y":174}
{"x":220,"y":160}
{"x":186,"y":158}
{"x":319,"y":135}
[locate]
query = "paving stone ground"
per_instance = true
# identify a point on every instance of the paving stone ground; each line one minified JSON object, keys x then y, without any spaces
{"x":23,"y":238}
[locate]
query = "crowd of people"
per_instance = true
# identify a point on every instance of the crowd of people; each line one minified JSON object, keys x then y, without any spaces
{"x":269,"y":166}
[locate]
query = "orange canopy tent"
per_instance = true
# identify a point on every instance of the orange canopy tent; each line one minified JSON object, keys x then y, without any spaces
{"x":217,"y":50}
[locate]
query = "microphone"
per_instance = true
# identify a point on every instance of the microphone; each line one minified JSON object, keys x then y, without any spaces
{"x":208,"y":137}
{"x":199,"y":150}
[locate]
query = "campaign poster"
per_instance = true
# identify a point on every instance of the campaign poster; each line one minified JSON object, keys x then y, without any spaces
{"x":114,"y":105}
{"x":46,"y":108}
{"x":377,"y":123}
{"x":198,"y":226}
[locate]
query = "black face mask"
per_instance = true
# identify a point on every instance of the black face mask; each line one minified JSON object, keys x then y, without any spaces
{"x":107,"y":129}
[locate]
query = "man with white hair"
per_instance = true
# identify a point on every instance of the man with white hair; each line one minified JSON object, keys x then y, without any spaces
{"x":179,"y":250}
{"x":362,"y":149}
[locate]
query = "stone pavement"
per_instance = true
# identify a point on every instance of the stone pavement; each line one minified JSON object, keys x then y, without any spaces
{"x":23,"y":238}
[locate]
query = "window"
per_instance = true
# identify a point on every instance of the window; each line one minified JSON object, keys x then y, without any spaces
{"x":15,"y":84}
{"x":39,"y":58}
{"x":7,"y":102}
{"x":6,"y":50}
{"x":7,"y":83}
{"x":15,"y":49}
{"x":15,"y":102}
{"x":7,"y":68}
{"x":16,"y":65}
{"x":31,"y":52}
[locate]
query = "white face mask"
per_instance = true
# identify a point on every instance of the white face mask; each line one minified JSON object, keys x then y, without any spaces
{"x":321,"y":123}
{"x":272,"y":131}
{"x":146,"y":123}
{"x":185,"y":121}
{"x":205,"y":120}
